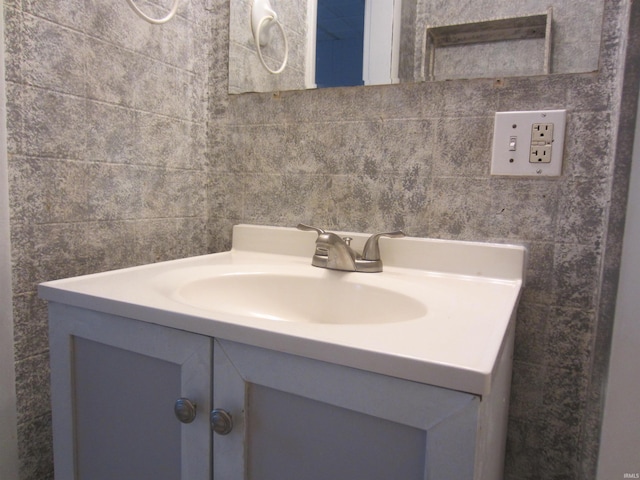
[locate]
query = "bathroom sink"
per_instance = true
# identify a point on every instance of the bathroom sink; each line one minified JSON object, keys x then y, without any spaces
{"x":307,"y":294}
{"x":441,"y":312}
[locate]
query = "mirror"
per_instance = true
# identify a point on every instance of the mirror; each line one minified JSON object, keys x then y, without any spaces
{"x":330,"y":43}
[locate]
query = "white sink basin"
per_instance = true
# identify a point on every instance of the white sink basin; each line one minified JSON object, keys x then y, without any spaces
{"x":305,"y":294}
{"x":440,"y":313}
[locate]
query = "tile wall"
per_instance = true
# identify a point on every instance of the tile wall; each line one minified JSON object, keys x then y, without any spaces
{"x":417,"y":157}
{"x":125,"y":148}
{"x":107,"y":143}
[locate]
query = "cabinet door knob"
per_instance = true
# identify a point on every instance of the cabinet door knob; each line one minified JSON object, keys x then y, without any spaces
{"x":221,"y":421}
{"x":185,"y":410}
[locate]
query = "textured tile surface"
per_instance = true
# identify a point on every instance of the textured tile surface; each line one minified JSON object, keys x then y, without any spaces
{"x":417,"y":157}
{"x":107,"y":140}
{"x":125,"y":148}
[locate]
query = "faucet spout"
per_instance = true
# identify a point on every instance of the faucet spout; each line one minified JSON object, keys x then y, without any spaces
{"x":334,"y":253}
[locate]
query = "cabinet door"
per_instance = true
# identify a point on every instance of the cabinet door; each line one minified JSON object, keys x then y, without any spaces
{"x":301,"y":418}
{"x":114,"y":385}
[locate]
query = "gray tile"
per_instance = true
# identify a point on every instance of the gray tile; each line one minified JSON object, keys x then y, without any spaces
{"x":116,"y":191}
{"x":45,"y":190}
{"x":117,"y":24}
{"x":15,"y":119}
{"x":287,"y":200}
{"x":46,"y":252}
{"x":582,"y":210}
{"x":53,"y":57}
{"x":177,"y":93}
{"x":219,"y":233}
{"x":306,"y":148}
{"x":575,"y":276}
{"x":522,"y":457}
{"x":592,"y":425}
{"x":32,"y":387}
{"x":532,"y":324}
{"x":560,"y":423}
{"x":473,"y":98}
{"x":13,"y":43}
{"x":568,"y":339}
{"x":114,"y":134}
{"x":404,"y":144}
{"x":533,"y":93}
{"x":463,"y":147}
{"x":539,"y":275}
{"x":589,"y":94}
{"x":55,"y":123}
{"x":35,"y":449}
{"x":223,"y":144}
{"x":225,"y":196}
{"x":380,"y":204}
{"x":112,"y":245}
{"x":526,"y":391}
{"x":564,"y":397}
{"x":13,"y":4}
{"x":588,"y":145}
{"x":30,"y":334}
{"x":114,"y":74}
{"x":459,"y":208}
{"x":524,"y":209}
{"x":164,"y":239}
{"x":265,"y":152}
{"x":171,"y":193}
{"x":70,"y":13}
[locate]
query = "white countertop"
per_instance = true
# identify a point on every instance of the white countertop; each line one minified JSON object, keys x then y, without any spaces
{"x":470,"y":291}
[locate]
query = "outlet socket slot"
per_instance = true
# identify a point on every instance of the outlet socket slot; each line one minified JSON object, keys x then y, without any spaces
{"x":540,"y":154}
{"x":542,"y":134}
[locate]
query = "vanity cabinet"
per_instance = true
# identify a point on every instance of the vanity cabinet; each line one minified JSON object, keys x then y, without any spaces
{"x":115,"y":382}
{"x":415,"y":386}
{"x":313,"y":420}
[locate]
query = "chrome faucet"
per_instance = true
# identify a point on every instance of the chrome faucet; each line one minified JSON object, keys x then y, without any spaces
{"x":335,"y":252}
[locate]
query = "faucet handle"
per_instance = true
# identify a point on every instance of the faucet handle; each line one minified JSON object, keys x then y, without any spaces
{"x":321,"y":232}
{"x":309,"y":228}
{"x":372,"y":250}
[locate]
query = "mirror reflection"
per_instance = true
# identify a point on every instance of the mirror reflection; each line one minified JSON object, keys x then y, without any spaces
{"x":331,"y":43}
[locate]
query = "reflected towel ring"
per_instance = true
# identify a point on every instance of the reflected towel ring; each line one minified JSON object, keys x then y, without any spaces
{"x":259,"y":48}
{"x":262,"y":14}
{"x":155,"y":21}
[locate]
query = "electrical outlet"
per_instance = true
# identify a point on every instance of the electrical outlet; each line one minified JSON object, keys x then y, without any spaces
{"x":528,"y":143}
{"x":542,"y":132}
{"x":540,"y":154}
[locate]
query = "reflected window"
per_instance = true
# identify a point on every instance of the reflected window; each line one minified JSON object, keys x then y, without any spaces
{"x":339,"y":43}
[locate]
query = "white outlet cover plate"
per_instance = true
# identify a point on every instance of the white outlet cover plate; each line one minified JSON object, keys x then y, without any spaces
{"x":506,"y":161}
